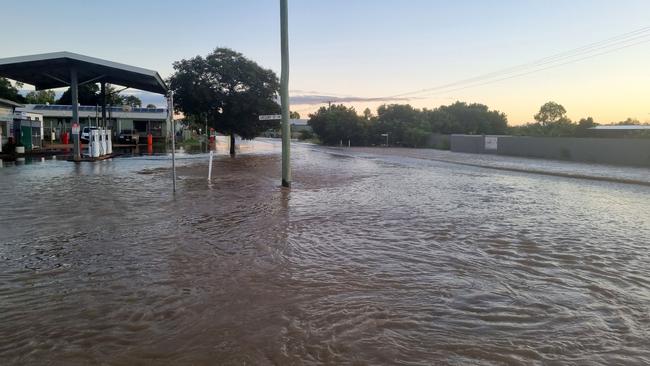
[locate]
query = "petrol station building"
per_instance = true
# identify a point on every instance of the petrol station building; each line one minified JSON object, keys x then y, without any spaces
{"x":66,"y":69}
{"x":58,"y":119}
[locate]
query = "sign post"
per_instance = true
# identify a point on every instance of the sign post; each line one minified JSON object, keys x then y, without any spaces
{"x":210,"y":166}
{"x":385,"y":135}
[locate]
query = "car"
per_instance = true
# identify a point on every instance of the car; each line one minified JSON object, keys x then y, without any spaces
{"x":128,"y":137}
{"x":85,"y":133}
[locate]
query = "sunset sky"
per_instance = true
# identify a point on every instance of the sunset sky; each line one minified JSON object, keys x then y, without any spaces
{"x":365,"y":52}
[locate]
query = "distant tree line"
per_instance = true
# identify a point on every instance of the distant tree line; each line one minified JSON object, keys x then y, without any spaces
{"x":404,"y":125}
{"x":88,"y":94}
{"x":552,"y":121}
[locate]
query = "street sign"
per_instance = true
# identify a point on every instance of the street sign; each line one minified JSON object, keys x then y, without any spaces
{"x":384,"y":134}
{"x":75,"y":128}
{"x":270,"y":117}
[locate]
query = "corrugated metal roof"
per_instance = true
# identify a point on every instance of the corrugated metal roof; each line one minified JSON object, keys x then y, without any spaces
{"x":52,"y":70}
{"x":621,"y":127}
{"x":10,"y":103}
{"x":298,"y":122}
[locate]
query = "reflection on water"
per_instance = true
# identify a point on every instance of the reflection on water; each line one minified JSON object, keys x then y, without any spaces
{"x":26,"y":160}
{"x":366,"y":260}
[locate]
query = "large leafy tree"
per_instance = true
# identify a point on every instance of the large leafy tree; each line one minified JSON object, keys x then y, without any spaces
{"x":474,"y":119}
{"x":403,"y":124}
{"x":228,"y":91}
{"x":10,"y":92}
{"x":552,"y":121}
{"x":131,"y":100}
{"x":550,"y":113}
{"x":87,"y":94}
{"x":90,"y":94}
{"x":336,"y":123}
{"x":40,"y":97}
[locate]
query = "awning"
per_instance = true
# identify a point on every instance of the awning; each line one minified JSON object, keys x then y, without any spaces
{"x":52,"y":70}
{"x":9,"y":103}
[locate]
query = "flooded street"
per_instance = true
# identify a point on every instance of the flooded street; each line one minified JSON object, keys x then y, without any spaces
{"x":369,"y":259}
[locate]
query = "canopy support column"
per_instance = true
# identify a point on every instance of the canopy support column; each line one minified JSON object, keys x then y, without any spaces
{"x":74,"y":93}
{"x":103,"y":96}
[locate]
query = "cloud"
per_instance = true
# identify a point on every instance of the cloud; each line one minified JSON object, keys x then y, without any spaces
{"x":312,"y":99}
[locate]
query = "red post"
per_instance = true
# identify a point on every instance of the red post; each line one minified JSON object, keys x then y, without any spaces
{"x":149,"y":139}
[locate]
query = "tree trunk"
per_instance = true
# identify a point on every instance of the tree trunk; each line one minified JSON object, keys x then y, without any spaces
{"x":232,"y":144}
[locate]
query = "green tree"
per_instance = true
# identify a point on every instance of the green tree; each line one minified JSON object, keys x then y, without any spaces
{"x":306,"y":135}
{"x":90,"y":94}
{"x":113,"y":96}
{"x":629,"y":121}
{"x":337,"y":123}
{"x":553,"y":122}
{"x":367,"y":114}
{"x":294,"y":115}
{"x":150,"y":106}
{"x":549,"y":113}
{"x":40,"y":97}
{"x":87,"y":94}
{"x":416,"y":136}
{"x":582,"y":129}
{"x":442,"y":121}
{"x":588,"y":122}
{"x":561,"y":128}
{"x":395,"y":120}
{"x":473,"y":119}
{"x":131,"y":100}
{"x":10,"y":92}
{"x":228,"y":90}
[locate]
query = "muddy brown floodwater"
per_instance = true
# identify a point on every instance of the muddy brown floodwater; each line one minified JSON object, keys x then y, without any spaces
{"x":368,"y":260}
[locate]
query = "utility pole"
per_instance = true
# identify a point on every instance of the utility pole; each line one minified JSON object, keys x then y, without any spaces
{"x":284,"y":95}
{"x":170,"y":111}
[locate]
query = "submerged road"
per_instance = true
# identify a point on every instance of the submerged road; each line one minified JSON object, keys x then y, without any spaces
{"x":371,"y":258}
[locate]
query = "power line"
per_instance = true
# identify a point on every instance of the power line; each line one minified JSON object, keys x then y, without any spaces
{"x":538,"y":70}
{"x":586,"y":49}
{"x":625,"y":40}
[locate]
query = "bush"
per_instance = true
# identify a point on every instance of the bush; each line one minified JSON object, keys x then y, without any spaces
{"x":305,"y":135}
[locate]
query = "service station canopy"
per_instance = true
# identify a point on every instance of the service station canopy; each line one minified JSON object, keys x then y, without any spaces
{"x":52,"y":70}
